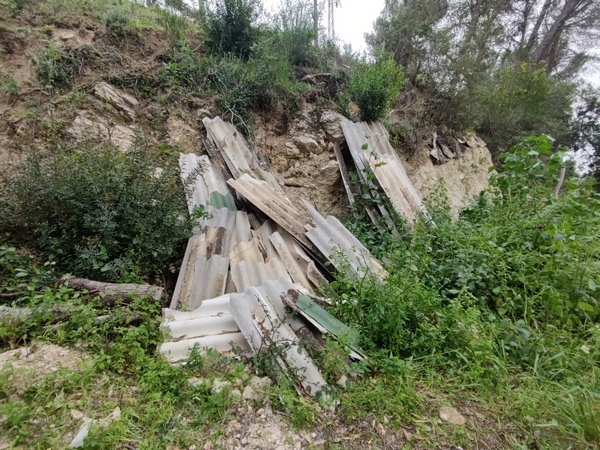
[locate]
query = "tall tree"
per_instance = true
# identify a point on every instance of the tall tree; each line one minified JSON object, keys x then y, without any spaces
{"x":469,"y":58}
{"x":586,"y":130}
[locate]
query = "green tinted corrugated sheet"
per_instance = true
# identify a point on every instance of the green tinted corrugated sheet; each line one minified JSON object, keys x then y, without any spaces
{"x":327,"y":321}
{"x":219,"y":200}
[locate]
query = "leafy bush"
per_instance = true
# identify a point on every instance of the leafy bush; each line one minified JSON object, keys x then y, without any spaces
{"x":118,"y":22}
{"x":375,"y":87}
{"x":230,"y":27}
{"x":496,"y":285}
{"x":16,"y":6}
{"x":101,"y":213}
{"x":520,"y":101}
{"x":524,"y":253}
{"x":183,"y":69}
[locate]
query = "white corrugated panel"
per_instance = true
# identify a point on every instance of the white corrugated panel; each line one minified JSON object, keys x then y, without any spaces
{"x":341,"y":247}
{"x":370,"y":148}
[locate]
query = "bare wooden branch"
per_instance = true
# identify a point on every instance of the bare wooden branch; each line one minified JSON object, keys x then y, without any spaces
{"x":561,"y":180}
{"x":344,"y":172}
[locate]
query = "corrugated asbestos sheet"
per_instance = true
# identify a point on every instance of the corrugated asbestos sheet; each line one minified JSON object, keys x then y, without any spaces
{"x":240,"y":271}
{"x":261,"y":315}
{"x":273,"y":204}
{"x":371,"y":150}
{"x":211,"y":325}
{"x":341,"y":247}
{"x":226,"y":142}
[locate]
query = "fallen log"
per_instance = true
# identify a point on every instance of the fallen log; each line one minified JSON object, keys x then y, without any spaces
{"x":111,"y":293}
{"x":55,"y":315}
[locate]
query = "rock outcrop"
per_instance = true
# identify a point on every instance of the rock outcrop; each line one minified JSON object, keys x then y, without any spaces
{"x":463,"y":177}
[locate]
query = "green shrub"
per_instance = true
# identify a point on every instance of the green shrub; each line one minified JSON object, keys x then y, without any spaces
{"x":183,"y":69}
{"x":404,"y":316}
{"x":10,"y":85}
{"x":520,"y":252}
{"x":520,"y":101}
{"x":118,"y":22}
{"x":264,"y":83}
{"x":101,"y":213}
{"x":512,"y":283}
{"x":58,"y":66}
{"x":375,"y":87}
{"x":230,"y":27}
{"x":16,"y":6}
{"x":175,"y":26}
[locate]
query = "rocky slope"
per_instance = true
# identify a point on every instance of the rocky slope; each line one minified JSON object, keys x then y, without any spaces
{"x":41,"y":118}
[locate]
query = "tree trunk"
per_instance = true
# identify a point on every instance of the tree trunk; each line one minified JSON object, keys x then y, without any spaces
{"x":111,"y":293}
{"x":538,"y":23}
{"x":550,"y":41}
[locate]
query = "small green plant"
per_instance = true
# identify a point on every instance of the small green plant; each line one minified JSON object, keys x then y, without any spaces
{"x":295,"y":33}
{"x":301,"y":412}
{"x":16,"y":6}
{"x":118,"y":22}
{"x":58,"y":66}
{"x":10,"y":85}
{"x":389,"y":397}
{"x":174,"y":25}
{"x":184,"y":69}
{"x":375,"y":87}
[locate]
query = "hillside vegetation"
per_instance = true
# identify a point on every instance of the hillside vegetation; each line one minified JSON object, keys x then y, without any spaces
{"x":494,"y":313}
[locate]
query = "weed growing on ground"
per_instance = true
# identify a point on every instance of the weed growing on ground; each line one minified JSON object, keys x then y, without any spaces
{"x":10,"y":85}
{"x":118,"y":22}
{"x":57,"y":66}
{"x":503,"y":299}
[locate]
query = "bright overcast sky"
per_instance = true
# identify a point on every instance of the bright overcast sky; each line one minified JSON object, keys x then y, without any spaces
{"x":353,"y":19}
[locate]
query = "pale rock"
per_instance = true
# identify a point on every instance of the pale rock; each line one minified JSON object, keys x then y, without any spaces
{"x":88,"y":125}
{"x":197,"y":382}
{"x":329,"y":174}
{"x":331,"y":122}
{"x":463,"y":178}
{"x":157,"y":172}
{"x":261,"y":383}
{"x":257,"y":389}
{"x":75,"y":39}
{"x":122,"y":137}
{"x":306,"y":144}
{"x":119,"y":99}
{"x":183,"y":136}
{"x":291,"y":150}
{"x":219,"y":385}
{"x":236,"y":395}
{"x":249,"y":394}
{"x":31,"y":364}
{"x":65,"y":35}
{"x":76,"y":415}
{"x":451,"y":415}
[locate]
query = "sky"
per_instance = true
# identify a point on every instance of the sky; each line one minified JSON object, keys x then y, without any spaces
{"x":353,"y":19}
